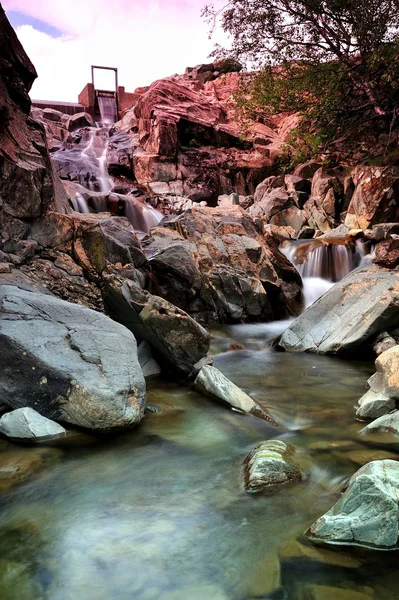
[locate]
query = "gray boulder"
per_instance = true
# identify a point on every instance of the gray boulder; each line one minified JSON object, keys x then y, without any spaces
{"x":387,"y":423}
{"x":27,"y":425}
{"x":355,"y":309}
{"x":270,"y":463}
{"x":68,"y":362}
{"x":367,"y":513}
{"x":384,"y":387}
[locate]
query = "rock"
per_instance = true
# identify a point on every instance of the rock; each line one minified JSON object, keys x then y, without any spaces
{"x":383,"y":342}
{"x":68,"y":362}
{"x":383,"y":231}
{"x":384,"y":387}
{"x":295,"y":553}
{"x":324,"y":592}
{"x":148,"y":365}
{"x":215,"y":264}
{"x":375,"y":199}
{"x":367,"y":513}
{"x":52,"y":115}
{"x":28,"y":186}
{"x":355,"y":309}
{"x":307,"y":170}
{"x":79,"y":120}
{"x":306,"y":233}
{"x":373,"y":405}
{"x":263,"y":580}
{"x":327,"y":191}
{"x":270,"y":463}
{"x":387,"y":423}
{"x":27,"y":425}
{"x":211,"y":382}
{"x":18,"y":466}
{"x":387,"y":254}
{"x":178,"y":342}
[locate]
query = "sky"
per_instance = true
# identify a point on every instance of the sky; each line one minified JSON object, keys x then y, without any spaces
{"x":143,"y":40}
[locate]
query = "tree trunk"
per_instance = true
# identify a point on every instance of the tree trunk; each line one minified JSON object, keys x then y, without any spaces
{"x":361,"y":83}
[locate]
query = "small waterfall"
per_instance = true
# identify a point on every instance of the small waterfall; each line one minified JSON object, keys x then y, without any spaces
{"x":86,"y":159}
{"x":108,"y":110}
{"x":322,"y":262}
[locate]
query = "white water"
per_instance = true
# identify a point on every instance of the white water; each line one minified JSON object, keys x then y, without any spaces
{"x":108,"y":110}
{"x":92,"y":196}
{"x":325,"y":265}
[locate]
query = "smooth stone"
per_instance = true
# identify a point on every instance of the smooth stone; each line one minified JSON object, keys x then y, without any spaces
{"x":26,"y":424}
{"x":295,"y":551}
{"x":323,"y":592}
{"x":373,"y":405}
{"x":367,"y":513}
{"x":211,"y":382}
{"x":386,"y":424}
{"x":348,"y":314}
{"x":270,"y":463}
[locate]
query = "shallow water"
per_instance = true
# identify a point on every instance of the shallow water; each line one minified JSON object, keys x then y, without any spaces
{"x":159,"y":512}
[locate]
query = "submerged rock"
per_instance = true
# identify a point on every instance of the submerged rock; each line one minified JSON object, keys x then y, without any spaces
{"x":68,"y":362}
{"x":211,"y":382}
{"x":270,"y":463}
{"x":367,"y":513}
{"x":26,"y":424}
{"x":355,"y":309}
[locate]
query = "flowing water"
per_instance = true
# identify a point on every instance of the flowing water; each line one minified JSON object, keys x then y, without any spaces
{"x":85,"y":160}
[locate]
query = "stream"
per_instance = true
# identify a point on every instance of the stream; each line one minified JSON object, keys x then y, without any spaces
{"x":159,"y":512}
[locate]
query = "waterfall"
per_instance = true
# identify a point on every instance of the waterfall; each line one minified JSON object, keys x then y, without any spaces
{"x":321,"y":262}
{"x":108,"y":110}
{"x":85,"y":162}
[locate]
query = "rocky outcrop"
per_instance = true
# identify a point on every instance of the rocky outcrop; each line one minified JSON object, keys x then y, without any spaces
{"x":269,"y":464}
{"x":215,"y":264}
{"x":27,"y":425}
{"x":28,"y":186}
{"x":68,"y":362}
{"x":348,"y":315}
{"x":211,"y":382}
{"x":367,"y":513}
{"x":375,"y":199}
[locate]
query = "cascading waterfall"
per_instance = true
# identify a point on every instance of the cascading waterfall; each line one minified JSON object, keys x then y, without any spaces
{"x":108,"y":110}
{"x":92,"y":182}
{"x":322,"y":262}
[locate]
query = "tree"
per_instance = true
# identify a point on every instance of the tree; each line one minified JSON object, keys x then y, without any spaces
{"x":350,"y":33}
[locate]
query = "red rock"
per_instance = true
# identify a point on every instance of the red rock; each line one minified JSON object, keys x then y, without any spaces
{"x":387,"y":254}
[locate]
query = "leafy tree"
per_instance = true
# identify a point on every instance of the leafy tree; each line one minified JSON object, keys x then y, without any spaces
{"x":312,"y":40}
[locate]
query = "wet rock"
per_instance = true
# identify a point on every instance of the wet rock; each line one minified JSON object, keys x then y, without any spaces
{"x":216,"y":265}
{"x":373,"y":405}
{"x":211,"y":382}
{"x":384,"y":387}
{"x":383,"y":231}
{"x":18,"y":466}
{"x":375,"y":199}
{"x":27,"y":425}
{"x":367,"y":513}
{"x":324,"y":592}
{"x":270,"y":463}
{"x":148,"y":365}
{"x":387,"y":423}
{"x":79,"y":120}
{"x":178,"y":342}
{"x":355,"y":309}
{"x":366,"y":455}
{"x":383,"y":342}
{"x":387,"y":254}
{"x":68,"y":362}
{"x":295,"y":553}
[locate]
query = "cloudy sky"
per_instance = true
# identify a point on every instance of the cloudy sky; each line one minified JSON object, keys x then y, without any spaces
{"x":144,"y":40}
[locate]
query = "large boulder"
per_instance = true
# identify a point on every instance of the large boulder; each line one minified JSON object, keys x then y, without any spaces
{"x":215,"y":264}
{"x":28,"y":186}
{"x":383,"y":394}
{"x":354,"y":310}
{"x":177,"y":340}
{"x":367,"y":513}
{"x":68,"y":362}
{"x":375,"y":199}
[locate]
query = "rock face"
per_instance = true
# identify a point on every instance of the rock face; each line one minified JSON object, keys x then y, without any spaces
{"x":348,"y":315}
{"x":211,"y":382}
{"x":68,"y":362}
{"x":186,"y":141}
{"x":215,"y":264}
{"x":28,"y":187}
{"x":375,"y":199}
{"x":367,"y":513}
{"x":270,"y":463}
{"x":27,"y":425}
